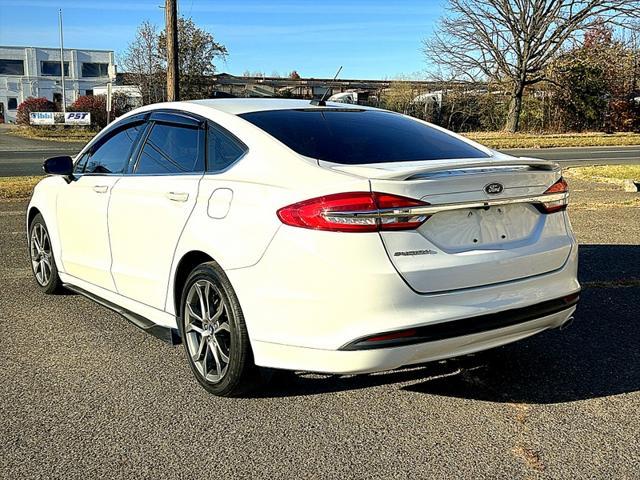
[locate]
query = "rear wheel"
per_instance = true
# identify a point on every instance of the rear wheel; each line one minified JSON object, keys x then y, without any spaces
{"x":214,"y":333}
{"x":43,"y":264}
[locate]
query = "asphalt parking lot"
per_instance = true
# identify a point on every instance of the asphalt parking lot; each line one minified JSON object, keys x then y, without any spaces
{"x":84,"y":394}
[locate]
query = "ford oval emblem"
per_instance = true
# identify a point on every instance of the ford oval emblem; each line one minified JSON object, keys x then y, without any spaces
{"x":494,"y":188}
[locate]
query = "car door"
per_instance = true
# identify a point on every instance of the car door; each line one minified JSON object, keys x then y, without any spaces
{"x":150,"y":206}
{"x":81,"y":207}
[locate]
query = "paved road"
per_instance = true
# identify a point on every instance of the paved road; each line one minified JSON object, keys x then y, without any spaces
{"x":19,"y":156}
{"x":24,"y":156}
{"x":84,"y":394}
{"x":583,"y":155}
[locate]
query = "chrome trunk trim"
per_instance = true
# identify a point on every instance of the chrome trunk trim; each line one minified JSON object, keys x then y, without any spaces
{"x":445,"y":207}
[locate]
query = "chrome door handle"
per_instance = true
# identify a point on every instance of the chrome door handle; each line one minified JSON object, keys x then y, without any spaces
{"x":178,"y":196}
{"x":100,"y":188}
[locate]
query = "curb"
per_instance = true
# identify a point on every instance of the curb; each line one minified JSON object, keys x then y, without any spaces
{"x":631,"y":186}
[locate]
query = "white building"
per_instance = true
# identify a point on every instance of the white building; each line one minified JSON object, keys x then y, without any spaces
{"x":131,"y":94}
{"x":35,"y":72}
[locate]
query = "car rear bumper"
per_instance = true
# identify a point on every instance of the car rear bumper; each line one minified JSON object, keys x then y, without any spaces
{"x":462,"y":327}
{"x":379,"y":359}
{"x":324,"y":290}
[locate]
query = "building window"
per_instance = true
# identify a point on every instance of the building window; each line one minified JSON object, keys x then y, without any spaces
{"x":12,"y":103}
{"x":52,"y":69}
{"x":95,"y":69}
{"x":88,"y":92}
{"x":11,"y":67}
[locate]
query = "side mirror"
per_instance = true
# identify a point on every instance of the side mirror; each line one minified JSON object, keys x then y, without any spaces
{"x":58,"y":166}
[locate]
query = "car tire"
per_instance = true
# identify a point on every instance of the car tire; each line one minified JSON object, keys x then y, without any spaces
{"x":43,"y":265}
{"x":216,"y":342}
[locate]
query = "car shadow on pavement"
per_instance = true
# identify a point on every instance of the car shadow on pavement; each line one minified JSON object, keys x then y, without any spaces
{"x":597,"y":356}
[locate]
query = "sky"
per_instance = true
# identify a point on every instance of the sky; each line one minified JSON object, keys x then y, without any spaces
{"x":370,"y":39}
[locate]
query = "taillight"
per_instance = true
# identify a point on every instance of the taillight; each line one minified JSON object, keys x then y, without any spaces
{"x":558,"y":189}
{"x":354,"y":212}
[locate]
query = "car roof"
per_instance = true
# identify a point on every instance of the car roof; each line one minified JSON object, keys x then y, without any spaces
{"x":237,"y":106}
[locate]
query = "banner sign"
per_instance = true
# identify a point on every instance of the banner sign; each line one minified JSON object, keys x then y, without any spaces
{"x":41,"y":118}
{"x":77,"y":118}
{"x":58,"y":118}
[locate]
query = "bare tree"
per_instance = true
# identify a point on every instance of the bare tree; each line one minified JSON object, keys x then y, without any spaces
{"x":400,"y":96}
{"x":146,"y":58}
{"x":513,"y":41}
{"x":197,"y":50}
{"x":143,"y":62}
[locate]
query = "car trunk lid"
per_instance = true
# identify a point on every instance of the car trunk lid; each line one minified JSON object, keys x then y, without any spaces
{"x":478,"y":234}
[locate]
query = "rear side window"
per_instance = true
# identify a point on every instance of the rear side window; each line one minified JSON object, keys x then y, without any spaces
{"x":224,"y":149}
{"x":171,"y":149}
{"x":351,"y":136}
{"x":112,"y":155}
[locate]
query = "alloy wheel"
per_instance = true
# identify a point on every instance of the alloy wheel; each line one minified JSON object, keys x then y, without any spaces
{"x":207,"y":330}
{"x":41,"y":258}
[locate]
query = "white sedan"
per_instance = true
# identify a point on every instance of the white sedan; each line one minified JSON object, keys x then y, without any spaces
{"x":305,"y":236}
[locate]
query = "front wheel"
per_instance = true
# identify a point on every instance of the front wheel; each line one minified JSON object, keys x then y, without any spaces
{"x":43,"y":264}
{"x":214,"y":333}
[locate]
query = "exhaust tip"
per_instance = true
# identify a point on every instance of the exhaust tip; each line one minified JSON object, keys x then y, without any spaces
{"x":567,"y":323}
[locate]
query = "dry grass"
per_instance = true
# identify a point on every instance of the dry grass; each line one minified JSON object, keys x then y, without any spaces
{"x":597,"y":206}
{"x":500,"y":140}
{"x":607,"y":172}
{"x":58,"y":134}
{"x":17,"y":187}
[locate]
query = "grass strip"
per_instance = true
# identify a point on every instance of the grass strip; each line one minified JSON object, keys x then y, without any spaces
{"x":505,"y":140}
{"x":17,"y":187}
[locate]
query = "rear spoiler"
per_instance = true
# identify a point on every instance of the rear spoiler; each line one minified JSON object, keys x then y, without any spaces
{"x":397,"y":172}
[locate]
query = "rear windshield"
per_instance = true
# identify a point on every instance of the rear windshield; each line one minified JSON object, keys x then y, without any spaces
{"x":351,"y":136}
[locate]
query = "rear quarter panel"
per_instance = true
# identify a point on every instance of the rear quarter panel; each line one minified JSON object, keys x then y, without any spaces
{"x":236,"y":227}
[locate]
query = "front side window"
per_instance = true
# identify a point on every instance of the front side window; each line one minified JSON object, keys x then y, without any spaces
{"x":112,"y":155}
{"x":53,"y":69}
{"x":95,"y":69}
{"x":353,"y":136}
{"x":11,"y":67}
{"x":81,"y":163}
{"x":171,"y":149}
{"x":224,"y":149}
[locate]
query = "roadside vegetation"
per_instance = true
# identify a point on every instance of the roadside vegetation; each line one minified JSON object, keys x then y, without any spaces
{"x":504,"y":140}
{"x":94,"y":104}
{"x":58,"y":134}
{"x":607,"y":173}
{"x":561,"y":64}
{"x":17,"y":187}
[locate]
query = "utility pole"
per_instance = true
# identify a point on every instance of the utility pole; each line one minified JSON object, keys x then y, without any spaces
{"x":109,"y":101}
{"x":64,"y":93}
{"x":173,"y":73}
